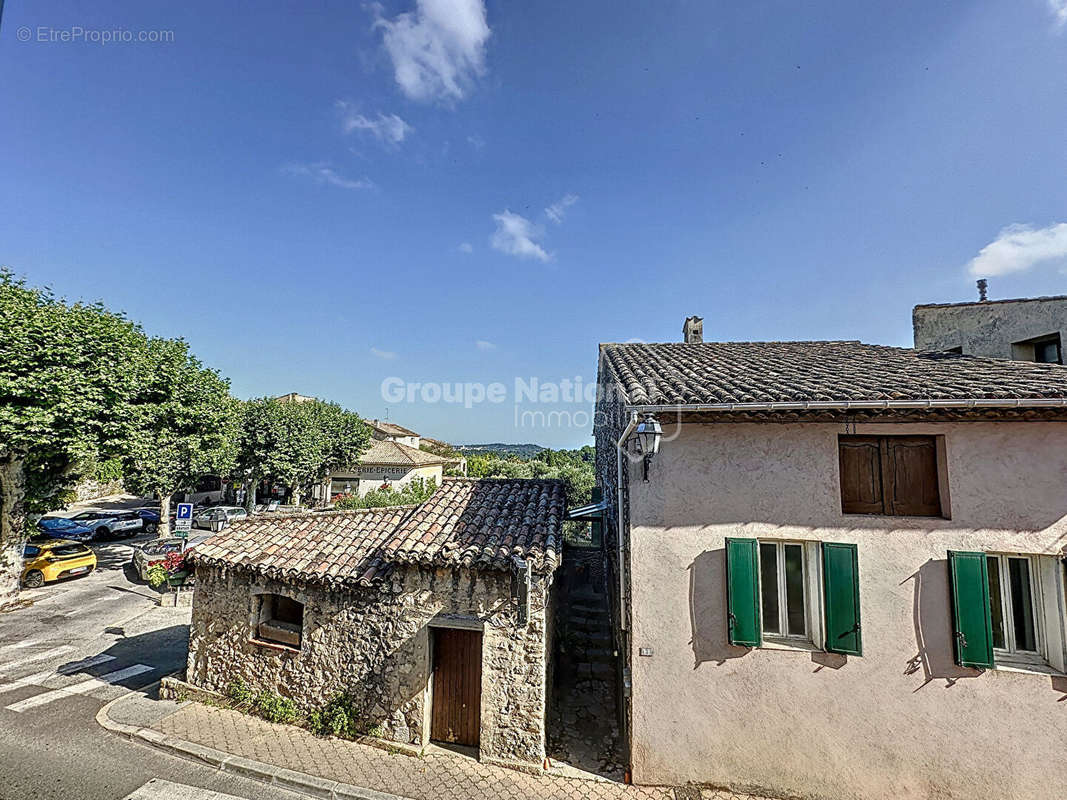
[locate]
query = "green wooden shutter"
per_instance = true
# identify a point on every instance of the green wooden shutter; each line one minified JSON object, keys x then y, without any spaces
{"x":971,"y":618}
{"x":841,"y":591}
{"x":742,"y":592}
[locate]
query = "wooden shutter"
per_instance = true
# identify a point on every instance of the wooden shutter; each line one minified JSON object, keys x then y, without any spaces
{"x":742,"y":592}
{"x":861,"y":475}
{"x":841,"y":590}
{"x":910,"y":476}
{"x":972,"y":624}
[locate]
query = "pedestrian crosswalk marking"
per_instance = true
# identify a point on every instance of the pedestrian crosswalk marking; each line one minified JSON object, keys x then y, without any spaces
{"x":55,"y":651}
{"x":31,"y":680}
{"x":84,"y":687}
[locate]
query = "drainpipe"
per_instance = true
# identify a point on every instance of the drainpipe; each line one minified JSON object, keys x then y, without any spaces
{"x":619,"y":446}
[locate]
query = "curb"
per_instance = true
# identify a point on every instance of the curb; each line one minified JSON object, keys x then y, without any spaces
{"x":236,"y":765}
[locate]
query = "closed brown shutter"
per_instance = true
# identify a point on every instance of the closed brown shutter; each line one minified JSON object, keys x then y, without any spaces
{"x":911,"y":476}
{"x":861,"y":475}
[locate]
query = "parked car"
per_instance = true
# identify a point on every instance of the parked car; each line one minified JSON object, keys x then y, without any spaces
{"x":149,"y":517}
{"x":152,"y":553}
{"x":63,"y":528}
{"x":231,"y":513}
{"x":110,"y":524}
{"x":55,"y":559}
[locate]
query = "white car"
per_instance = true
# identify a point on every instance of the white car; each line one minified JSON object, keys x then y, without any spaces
{"x":107,"y":524}
{"x":230,"y":513}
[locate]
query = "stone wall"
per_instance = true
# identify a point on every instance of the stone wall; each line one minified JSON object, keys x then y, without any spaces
{"x":989,"y":329}
{"x":375,"y":645}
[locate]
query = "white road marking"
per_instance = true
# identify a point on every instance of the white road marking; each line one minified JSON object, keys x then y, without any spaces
{"x":18,"y":645}
{"x":32,"y":680}
{"x":84,"y":687}
{"x":55,"y":651}
{"x":159,"y":789}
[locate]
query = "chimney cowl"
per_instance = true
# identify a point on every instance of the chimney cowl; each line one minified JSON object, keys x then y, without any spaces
{"x":693,"y":330}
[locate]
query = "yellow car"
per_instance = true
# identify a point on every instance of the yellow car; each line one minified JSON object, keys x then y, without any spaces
{"x":54,"y":559}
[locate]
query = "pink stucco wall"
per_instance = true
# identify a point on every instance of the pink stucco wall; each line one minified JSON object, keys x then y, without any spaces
{"x":902,"y":721}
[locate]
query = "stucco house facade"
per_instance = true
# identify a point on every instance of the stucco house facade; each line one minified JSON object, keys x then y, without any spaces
{"x":387,"y":463}
{"x":433,"y":619}
{"x":843,"y":576}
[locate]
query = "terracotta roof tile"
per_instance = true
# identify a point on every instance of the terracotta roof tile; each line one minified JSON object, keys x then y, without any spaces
{"x":772,"y":372}
{"x":467,"y":522}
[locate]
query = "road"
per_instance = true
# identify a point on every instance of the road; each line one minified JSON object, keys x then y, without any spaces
{"x":82,"y":643}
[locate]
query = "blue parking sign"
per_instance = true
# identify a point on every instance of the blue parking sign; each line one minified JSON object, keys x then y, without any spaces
{"x":183,"y":520}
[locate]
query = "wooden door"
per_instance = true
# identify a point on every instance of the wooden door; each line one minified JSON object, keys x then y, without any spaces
{"x":457,"y":686}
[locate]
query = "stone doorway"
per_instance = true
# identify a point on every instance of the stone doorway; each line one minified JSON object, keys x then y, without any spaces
{"x":583,"y":730}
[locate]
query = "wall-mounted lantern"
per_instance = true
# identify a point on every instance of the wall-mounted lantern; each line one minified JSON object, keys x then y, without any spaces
{"x":649,"y":433}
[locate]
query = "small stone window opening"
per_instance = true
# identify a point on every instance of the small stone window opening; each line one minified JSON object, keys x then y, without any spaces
{"x":281,"y":620}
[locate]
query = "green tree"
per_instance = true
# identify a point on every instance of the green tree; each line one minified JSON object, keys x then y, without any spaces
{"x":297,"y":444}
{"x":185,"y":425}
{"x":68,"y":374}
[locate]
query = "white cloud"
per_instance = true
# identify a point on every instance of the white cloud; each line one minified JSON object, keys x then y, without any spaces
{"x":484,"y":346}
{"x":517,"y":236}
{"x":558,"y":210}
{"x":1059,"y":11}
{"x":386,"y":128}
{"x":388,"y":355}
{"x":438,"y":49}
{"x":465,"y":247}
{"x":324,"y":173}
{"x":1019,"y":247}
{"x":477,"y":142}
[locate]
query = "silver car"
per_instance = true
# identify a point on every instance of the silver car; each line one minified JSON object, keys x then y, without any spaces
{"x":155,"y":552}
{"x":109,"y":524}
{"x":229,"y":513}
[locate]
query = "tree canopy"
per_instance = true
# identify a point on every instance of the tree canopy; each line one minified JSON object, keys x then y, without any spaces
{"x":184,"y":425}
{"x":297,"y":443}
{"x":68,"y":376}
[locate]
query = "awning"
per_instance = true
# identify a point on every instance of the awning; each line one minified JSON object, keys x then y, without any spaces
{"x":588,"y":512}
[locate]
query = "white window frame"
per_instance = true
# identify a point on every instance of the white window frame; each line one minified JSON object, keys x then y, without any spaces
{"x":1047,"y":600}
{"x":813,"y":598}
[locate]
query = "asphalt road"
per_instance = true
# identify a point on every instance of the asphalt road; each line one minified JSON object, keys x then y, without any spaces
{"x":83,"y":643}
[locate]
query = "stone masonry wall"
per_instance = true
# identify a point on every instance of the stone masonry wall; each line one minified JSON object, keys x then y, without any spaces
{"x":375,"y":645}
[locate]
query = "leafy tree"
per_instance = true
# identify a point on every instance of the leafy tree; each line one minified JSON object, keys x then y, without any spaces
{"x":416,"y":491}
{"x":67,"y":377}
{"x":297,"y":444}
{"x":185,"y":426}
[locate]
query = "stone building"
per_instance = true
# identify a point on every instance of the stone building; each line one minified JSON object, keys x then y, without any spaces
{"x":434,"y":619}
{"x":387,"y":463}
{"x":841,"y":575}
{"x":1028,"y":329}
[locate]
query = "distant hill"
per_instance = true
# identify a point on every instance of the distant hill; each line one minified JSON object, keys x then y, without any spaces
{"x":520,"y":450}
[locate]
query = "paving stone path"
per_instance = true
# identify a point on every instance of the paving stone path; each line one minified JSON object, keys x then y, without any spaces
{"x":436,"y":776}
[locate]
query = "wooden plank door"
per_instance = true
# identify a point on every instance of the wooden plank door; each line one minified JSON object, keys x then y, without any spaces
{"x":457,"y":686}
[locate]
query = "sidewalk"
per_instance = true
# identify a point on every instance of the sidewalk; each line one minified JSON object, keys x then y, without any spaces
{"x":334,"y":768}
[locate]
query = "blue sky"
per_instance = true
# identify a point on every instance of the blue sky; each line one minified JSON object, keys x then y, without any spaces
{"x":323,"y":195}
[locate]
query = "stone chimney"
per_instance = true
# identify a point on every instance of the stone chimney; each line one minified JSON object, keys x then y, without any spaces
{"x":693,"y":330}
{"x":983,"y":285}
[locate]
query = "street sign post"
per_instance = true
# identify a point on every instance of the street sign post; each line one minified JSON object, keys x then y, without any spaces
{"x":183,"y":521}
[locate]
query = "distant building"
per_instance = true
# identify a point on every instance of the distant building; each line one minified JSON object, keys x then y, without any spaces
{"x":1027,"y":329}
{"x":390,"y":432}
{"x":293,"y":397}
{"x":387,"y":463}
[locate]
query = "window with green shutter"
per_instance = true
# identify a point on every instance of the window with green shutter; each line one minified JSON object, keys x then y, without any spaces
{"x":971,"y":618}
{"x":742,"y":592}
{"x":841,"y":598}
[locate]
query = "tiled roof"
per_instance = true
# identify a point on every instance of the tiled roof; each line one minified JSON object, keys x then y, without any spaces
{"x":389,"y":428}
{"x":467,"y":522}
{"x":783,"y":372}
{"x":395,"y":453}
